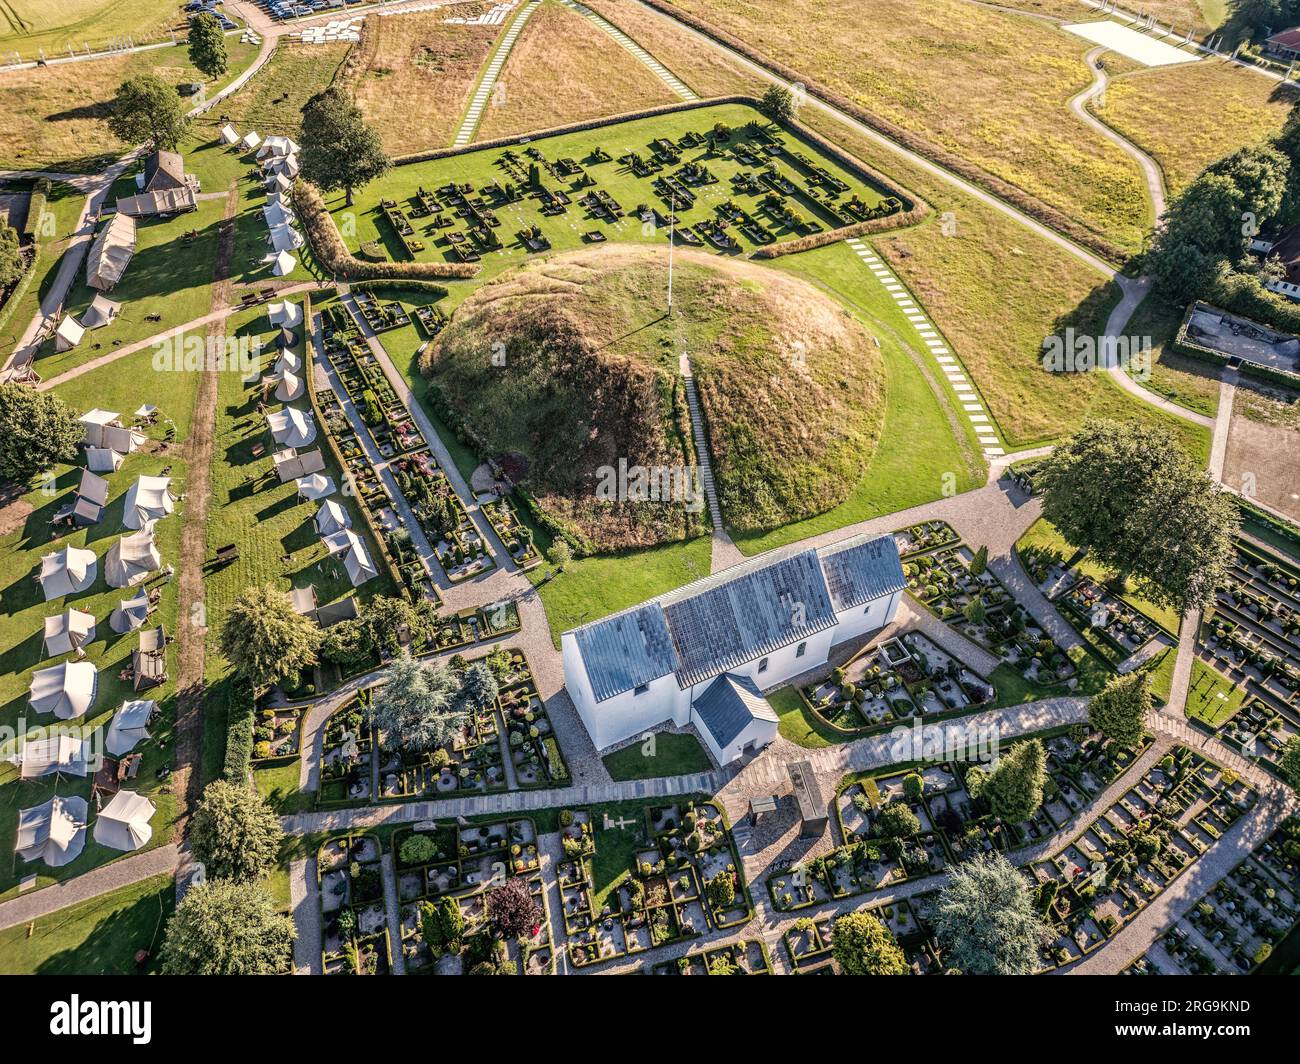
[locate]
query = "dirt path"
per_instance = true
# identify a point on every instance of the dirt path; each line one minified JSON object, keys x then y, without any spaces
{"x":191,"y":654}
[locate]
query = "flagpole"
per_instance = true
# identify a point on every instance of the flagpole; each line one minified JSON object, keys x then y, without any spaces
{"x":672,"y":222}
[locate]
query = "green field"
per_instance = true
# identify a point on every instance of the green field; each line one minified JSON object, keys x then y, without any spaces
{"x":96,"y":937}
{"x":32,"y":26}
{"x":673,"y":754}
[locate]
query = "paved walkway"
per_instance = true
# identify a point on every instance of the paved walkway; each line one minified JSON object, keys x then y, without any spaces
{"x":1223,"y":421}
{"x":640,"y":54}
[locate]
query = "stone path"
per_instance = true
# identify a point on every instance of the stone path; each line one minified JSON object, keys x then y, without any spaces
{"x":725,"y":553}
{"x":645,"y":58}
{"x":1223,"y":422}
{"x":969,"y":399}
{"x":393,"y":913}
{"x":304,"y":907}
{"x":486,"y":86}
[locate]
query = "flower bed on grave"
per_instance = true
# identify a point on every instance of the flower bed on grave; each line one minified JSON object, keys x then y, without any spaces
{"x":979,"y":607}
{"x":461,"y":551}
{"x":1127,"y":856}
{"x":380,"y":316}
{"x":747,"y":956}
{"x":517,"y":537}
{"x":346,"y":753}
{"x":925,"y":536}
{"x":1110,"y":625}
{"x":1259,"y":732}
{"x":437,"y":860}
{"x":534,"y":751}
{"x":277,"y":733}
{"x":473,"y":626}
{"x":666,"y":895}
{"x":354,"y":922}
{"x":896,"y":681}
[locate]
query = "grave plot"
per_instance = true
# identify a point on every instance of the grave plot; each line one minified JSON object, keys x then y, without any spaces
{"x":440,"y":863}
{"x":354,"y":922}
{"x":1251,"y":636}
{"x":1080,"y":765}
{"x":954,"y":583}
{"x":808,"y":946}
{"x":1280,"y":854}
{"x":1259,"y":732}
{"x":1232,"y":928}
{"x":684,"y":878}
{"x":926,"y":536}
{"x":748,"y":956}
{"x":809,"y":941}
{"x":504,"y":518}
{"x":1130,"y":853}
{"x":474,"y":625}
{"x":277,"y":733}
{"x":534,"y":752}
{"x":721,"y":176}
{"x":346,"y":756}
{"x":897,"y":680}
{"x":1108,"y":623}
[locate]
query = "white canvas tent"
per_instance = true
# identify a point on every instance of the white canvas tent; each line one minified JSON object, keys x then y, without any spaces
{"x":291,"y":388}
{"x":277,"y":214}
{"x":104,"y":459}
{"x":287,"y":315}
{"x":54,"y":832}
{"x":66,"y":690}
{"x":275,"y":146}
{"x":283,"y":238}
{"x":316,"y":486}
{"x":332,"y":517}
{"x":282,"y":263}
{"x":130,"y":726}
{"x":68,"y":334}
{"x":278,"y":183}
{"x":251,"y":140}
{"x":111,"y":252}
{"x":101,"y":312}
{"x":291,"y":427}
{"x":130,"y":614}
{"x":148,"y":499}
{"x":286,"y":165}
{"x":95,"y":422}
{"x":229,"y":135}
{"x":347,"y":546}
{"x":68,"y":631}
{"x":123,"y":824}
{"x":132,"y":558}
{"x":66,"y":755}
{"x":160,"y":201}
{"x":67,"y":572}
{"x":287,"y":361}
{"x":290,"y":465}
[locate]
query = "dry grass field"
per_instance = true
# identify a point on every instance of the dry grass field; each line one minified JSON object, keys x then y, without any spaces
{"x":564,"y":69}
{"x":1264,"y":447}
{"x":272,"y":100}
{"x":1187,"y":116}
{"x":29,"y":27}
{"x":990,"y":86}
{"x":1201,"y":15}
{"x":413,"y":75}
{"x":54,"y":116}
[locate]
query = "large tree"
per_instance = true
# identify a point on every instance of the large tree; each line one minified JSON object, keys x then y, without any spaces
{"x":266,"y":639}
{"x":511,"y":910}
{"x":146,"y":108}
{"x":1014,"y":789}
{"x":208,"y":45}
{"x":227,"y":928}
{"x":777,"y":103}
{"x":234,"y":832}
{"x":1128,"y":494}
{"x":338,"y":149}
{"x":864,"y":946}
{"x":416,"y":709}
{"x":1120,"y":711}
{"x":37,"y":429}
{"x":985,"y":919}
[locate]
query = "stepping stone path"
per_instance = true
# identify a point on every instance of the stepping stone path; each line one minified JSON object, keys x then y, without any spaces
{"x":952,"y":368}
{"x":485,"y":87}
{"x":646,"y":59}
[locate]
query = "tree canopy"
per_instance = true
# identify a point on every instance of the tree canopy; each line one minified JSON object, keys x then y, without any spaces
{"x":777,"y":103}
{"x":1014,"y":789}
{"x":339,"y":149}
{"x":1120,"y":711}
{"x":1289,"y":765}
{"x":511,"y":910}
{"x":985,"y":919}
{"x":1129,"y":495}
{"x":208,"y":45}
{"x":416,"y":710}
{"x":862,"y":945}
{"x":234,"y":832}
{"x":37,"y":429}
{"x":224,"y":927}
{"x":265,"y":639}
{"x":146,"y":108}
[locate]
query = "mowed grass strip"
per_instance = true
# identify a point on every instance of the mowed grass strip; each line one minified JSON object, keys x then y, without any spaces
{"x":990,"y":86}
{"x":563,"y":69}
{"x":55,"y":116}
{"x":664,"y":754}
{"x":412,"y":76}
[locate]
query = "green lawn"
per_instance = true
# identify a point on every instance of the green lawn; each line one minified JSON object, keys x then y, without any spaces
{"x":96,"y":937}
{"x":1211,"y":698}
{"x":1183,"y":380}
{"x":799,"y":724}
{"x":63,"y":206}
{"x":673,"y":754}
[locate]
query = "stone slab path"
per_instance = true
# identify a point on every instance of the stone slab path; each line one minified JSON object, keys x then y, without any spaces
{"x":488,"y":83}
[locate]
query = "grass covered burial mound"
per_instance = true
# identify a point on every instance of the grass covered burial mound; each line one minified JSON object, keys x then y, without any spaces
{"x":562,"y":368}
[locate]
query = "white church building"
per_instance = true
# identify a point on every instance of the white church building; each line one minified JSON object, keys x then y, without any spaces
{"x":703,"y":654}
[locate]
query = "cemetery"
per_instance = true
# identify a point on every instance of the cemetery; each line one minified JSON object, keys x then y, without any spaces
{"x":354,"y":920}
{"x":745,"y":957}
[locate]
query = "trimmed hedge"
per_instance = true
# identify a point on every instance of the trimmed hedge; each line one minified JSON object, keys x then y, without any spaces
{"x":1018,"y":198}
{"x":334,"y":256}
{"x":239,"y":731}
{"x":900,"y":220}
{"x":428,"y":288}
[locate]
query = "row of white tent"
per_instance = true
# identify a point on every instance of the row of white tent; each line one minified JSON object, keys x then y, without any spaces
{"x":286,"y":375}
{"x":129,"y":561}
{"x":108,"y":441}
{"x":55,"y":831}
{"x":71,"y":755}
{"x":279,"y":159}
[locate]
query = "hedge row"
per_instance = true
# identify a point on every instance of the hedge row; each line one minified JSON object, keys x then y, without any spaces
{"x":334,"y":256}
{"x":900,"y":220}
{"x":35,"y":208}
{"x":1272,"y":522}
{"x":240,"y":714}
{"x":1017,"y":197}
{"x":426,"y":288}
